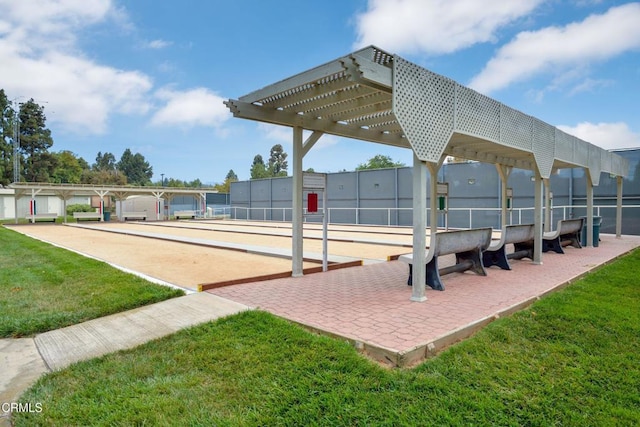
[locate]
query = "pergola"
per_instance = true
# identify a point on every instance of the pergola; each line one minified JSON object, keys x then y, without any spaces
{"x":375,"y":96}
{"x":119,"y":192}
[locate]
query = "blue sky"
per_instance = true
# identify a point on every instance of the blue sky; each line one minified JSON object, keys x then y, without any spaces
{"x":151,"y":75}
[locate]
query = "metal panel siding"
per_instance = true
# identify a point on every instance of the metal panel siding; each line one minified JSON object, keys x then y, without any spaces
{"x":282,"y":189}
{"x":405,"y":183}
{"x":239,"y":193}
{"x":377,"y":184}
{"x":484,"y":193}
{"x":260,"y":192}
{"x":341,"y":186}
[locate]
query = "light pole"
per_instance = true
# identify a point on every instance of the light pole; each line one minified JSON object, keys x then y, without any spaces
{"x":162,"y":175}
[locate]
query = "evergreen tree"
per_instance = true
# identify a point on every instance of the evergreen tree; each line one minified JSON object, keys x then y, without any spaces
{"x":35,"y":141}
{"x":105,"y":162}
{"x":277,"y":161}
{"x":6,"y":139}
{"x":258,"y":169}
{"x":135,"y":168}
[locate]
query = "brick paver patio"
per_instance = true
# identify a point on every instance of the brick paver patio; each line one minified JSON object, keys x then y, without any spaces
{"x":370,"y":305}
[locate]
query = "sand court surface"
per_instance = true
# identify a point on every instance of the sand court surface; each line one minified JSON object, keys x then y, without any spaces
{"x":229,"y":250}
{"x":181,"y":264}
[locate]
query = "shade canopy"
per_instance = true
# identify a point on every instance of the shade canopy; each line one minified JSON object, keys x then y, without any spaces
{"x":372,"y":95}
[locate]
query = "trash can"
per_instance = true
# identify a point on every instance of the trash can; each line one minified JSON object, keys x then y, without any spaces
{"x":597,"y":220}
{"x":107,"y":215}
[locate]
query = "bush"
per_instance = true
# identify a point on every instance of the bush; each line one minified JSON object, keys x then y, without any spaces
{"x":79,"y":208}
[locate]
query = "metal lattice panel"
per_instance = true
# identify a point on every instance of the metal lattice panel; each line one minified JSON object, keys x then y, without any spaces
{"x":594,"y":163}
{"x":564,"y":146}
{"x":543,"y":146}
{"x":515,"y":128}
{"x":477,"y":114}
{"x":423,"y":103}
{"x":580,"y":153}
{"x":605,"y":160}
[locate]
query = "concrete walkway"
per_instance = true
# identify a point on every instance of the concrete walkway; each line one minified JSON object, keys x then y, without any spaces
{"x":24,"y":360}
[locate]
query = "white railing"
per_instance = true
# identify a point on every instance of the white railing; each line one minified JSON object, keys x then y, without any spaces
{"x":455,"y":217}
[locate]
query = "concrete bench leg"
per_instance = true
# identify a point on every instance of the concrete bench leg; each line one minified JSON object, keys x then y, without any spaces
{"x":552,"y":245}
{"x":497,"y":257}
{"x":574,"y":240}
{"x":433,"y":276}
{"x":522,"y":250}
{"x":471,"y":260}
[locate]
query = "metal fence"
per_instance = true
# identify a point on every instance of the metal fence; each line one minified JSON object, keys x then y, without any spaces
{"x":454,"y":218}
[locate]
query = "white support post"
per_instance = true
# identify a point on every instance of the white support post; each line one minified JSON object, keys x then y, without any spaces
{"x":589,"y":210}
{"x":158,"y":196}
{"x":297,"y":213}
{"x":325,"y":226}
{"x":101,"y":193}
{"x":16,"y":195}
{"x":537,"y":238}
{"x":419,"y":227}
{"x":619,"y":207}
{"x":504,"y":172}
{"x":433,"y":197}
{"x":547,"y":204}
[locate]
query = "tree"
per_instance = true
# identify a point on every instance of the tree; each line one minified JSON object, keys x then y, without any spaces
{"x":225,"y":187}
{"x":135,"y":168}
{"x":277,"y":161}
{"x":35,"y":141}
{"x":379,"y":161}
{"x":103,"y":177}
{"x":6,"y":139}
{"x":105,"y":162}
{"x":69,"y":168}
{"x":258,"y":169}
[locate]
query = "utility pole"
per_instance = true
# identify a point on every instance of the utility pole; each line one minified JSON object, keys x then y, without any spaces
{"x":16,"y":148}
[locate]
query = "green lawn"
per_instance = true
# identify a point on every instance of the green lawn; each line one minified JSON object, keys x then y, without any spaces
{"x":571,"y":359}
{"x":44,"y":288}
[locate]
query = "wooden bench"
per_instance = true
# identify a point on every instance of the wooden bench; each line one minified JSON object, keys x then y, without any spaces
{"x":567,"y":234}
{"x":134,"y":215}
{"x":89,"y":216}
{"x":185,"y":214}
{"x":45,"y":216}
{"x":467,"y":245}
{"x":521,"y":236}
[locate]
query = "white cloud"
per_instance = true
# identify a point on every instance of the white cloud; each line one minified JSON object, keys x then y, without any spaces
{"x":158,"y":44}
{"x":196,"y":107}
{"x":436,"y":26}
{"x":558,"y":49}
{"x":605,"y":135}
{"x":39,"y":59}
{"x":284,"y":134}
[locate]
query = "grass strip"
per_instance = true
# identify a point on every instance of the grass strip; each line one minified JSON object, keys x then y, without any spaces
{"x":570,"y":359}
{"x":43,"y":287}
